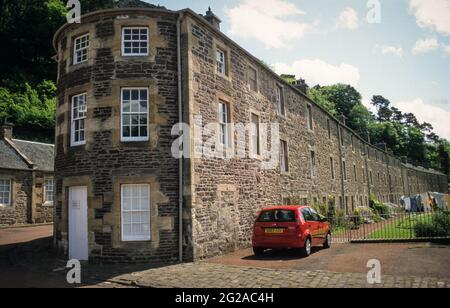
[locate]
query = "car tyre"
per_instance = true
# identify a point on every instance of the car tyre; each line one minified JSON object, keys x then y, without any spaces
{"x":327,"y":243}
{"x":258,"y":251}
{"x":306,"y":250}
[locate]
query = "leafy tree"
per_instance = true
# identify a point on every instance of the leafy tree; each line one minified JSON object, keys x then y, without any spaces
{"x":360,"y":118}
{"x":26,"y":31}
{"x":345,"y":97}
{"x":316,"y":95}
{"x":383,"y":107}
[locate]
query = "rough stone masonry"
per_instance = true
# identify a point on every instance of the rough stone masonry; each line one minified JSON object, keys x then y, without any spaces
{"x":220,"y":197}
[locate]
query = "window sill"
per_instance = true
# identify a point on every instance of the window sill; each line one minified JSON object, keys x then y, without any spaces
{"x":223,"y":76}
{"x":74,"y":67}
{"x":48,"y":204}
{"x":136,"y":241}
{"x":76,"y":148}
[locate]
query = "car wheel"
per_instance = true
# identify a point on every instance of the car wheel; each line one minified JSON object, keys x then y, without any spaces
{"x":258,"y":251}
{"x":327,"y":243}
{"x":306,"y":250}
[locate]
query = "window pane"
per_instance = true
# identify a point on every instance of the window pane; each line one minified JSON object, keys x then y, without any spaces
{"x":126,"y":131}
{"x":136,"y":212}
{"x":135,"y":131}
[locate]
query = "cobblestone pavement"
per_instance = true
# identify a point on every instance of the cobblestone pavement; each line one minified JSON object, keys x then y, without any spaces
{"x":206,"y":275}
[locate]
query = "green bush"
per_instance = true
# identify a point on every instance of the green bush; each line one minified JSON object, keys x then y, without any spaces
{"x":438,"y":226}
{"x":378,"y":207}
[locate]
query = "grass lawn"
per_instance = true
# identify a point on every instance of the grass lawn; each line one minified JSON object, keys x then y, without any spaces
{"x":400,"y":228}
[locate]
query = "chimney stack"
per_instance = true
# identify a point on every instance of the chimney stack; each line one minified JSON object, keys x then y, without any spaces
{"x":212,"y":19}
{"x":6,"y":131}
{"x":302,"y":86}
{"x":341,"y":118}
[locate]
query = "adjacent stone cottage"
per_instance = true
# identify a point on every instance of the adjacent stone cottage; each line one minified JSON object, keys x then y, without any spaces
{"x":127,"y":76}
{"x":26,"y":180}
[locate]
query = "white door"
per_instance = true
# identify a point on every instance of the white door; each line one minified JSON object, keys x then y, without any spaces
{"x":78,"y":223}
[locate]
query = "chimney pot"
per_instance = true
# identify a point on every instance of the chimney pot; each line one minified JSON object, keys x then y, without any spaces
{"x":6,"y":131}
{"x":212,"y":19}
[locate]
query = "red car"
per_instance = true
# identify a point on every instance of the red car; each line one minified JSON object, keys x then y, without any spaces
{"x":298,"y":227}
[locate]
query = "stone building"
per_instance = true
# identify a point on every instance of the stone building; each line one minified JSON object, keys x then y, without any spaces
{"x":126,"y":77}
{"x":26,"y":180}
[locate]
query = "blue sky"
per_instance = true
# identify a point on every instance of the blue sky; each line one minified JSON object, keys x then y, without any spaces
{"x":405,"y":57}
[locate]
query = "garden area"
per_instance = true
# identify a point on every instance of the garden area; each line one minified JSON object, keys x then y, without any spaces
{"x":385,"y":222}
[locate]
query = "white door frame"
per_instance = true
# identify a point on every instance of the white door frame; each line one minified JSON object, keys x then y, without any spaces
{"x":78,"y":223}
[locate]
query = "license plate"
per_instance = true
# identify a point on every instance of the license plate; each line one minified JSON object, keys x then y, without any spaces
{"x":274,"y":230}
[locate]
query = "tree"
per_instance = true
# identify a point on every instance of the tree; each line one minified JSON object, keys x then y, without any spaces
{"x":316,"y":95}
{"x":384,"y":112}
{"x":26,"y":32}
{"x":345,"y":97}
{"x":360,"y":118}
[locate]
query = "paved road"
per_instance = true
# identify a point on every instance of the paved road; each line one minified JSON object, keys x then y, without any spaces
{"x":406,"y":259}
{"x":26,"y":234}
{"x":403,"y":265}
{"x":209,"y":275}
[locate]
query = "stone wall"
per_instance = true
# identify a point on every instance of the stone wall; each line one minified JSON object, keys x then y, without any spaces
{"x":27,"y":203}
{"x":221,"y":196}
{"x":104,"y":163}
{"x":226,"y":194}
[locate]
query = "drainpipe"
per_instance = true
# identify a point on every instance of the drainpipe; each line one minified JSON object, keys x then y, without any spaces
{"x":341,"y":159}
{"x":180,"y":163}
{"x":368,"y":176}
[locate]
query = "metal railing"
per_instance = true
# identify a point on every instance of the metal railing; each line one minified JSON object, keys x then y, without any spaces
{"x":398,"y":226}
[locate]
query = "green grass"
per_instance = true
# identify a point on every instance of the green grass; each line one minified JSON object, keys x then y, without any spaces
{"x":400,"y":228}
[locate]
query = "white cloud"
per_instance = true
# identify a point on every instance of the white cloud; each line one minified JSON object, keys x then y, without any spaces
{"x":391,"y":50}
{"x":319,"y":72}
{"x":425,"y":45}
{"x":267,"y":21}
{"x":348,"y":19}
{"x":432,"y":14}
{"x":436,"y":116}
{"x":447,"y":49}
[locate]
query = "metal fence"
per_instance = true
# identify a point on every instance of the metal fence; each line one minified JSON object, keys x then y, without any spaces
{"x":398,"y":226}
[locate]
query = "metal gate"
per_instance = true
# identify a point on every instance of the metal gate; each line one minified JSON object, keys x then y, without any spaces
{"x":392,"y":227}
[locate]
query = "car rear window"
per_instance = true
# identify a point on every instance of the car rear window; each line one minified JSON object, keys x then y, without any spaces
{"x":277,"y":216}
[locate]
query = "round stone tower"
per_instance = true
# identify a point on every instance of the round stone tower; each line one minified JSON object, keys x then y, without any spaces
{"x":116,"y":181}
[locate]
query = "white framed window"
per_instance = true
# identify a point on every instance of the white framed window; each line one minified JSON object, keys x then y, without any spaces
{"x":313,"y":164}
{"x":224,"y":127}
{"x":332,"y":168}
{"x":329,"y":128}
{"x":49,"y":190}
{"x":81,"y":49}
{"x":135,"y":41}
{"x":253,"y":79}
{"x":221,"y":61}
{"x":280,"y":100}
{"x":344,"y":167}
{"x":78,"y":130}
{"x":309,"y":116}
{"x":5,"y":192}
{"x":284,"y":162}
{"x":135,"y":209}
{"x":134,"y":116}
{"x":256,"y":145}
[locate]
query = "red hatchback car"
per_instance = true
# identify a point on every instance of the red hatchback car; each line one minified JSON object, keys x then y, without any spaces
{"x":298,"y":227}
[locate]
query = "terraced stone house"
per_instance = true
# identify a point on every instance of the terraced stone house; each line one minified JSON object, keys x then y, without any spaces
{"x":26,"y":180}
{"x":127,"y":75}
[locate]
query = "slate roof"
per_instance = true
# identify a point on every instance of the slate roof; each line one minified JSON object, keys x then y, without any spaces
{"x":10,"y":159}
{"x":40,"y":154}
{"x":134,"y":3}
{"x":113,"y":4}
